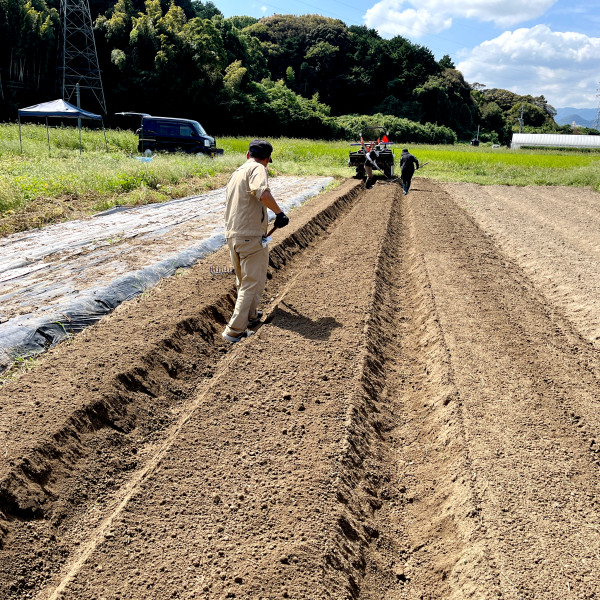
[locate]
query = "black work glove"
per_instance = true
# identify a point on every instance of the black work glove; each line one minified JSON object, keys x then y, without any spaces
{"x":281,"y":220}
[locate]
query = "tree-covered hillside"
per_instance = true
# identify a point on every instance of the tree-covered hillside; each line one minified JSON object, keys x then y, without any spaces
{"x":280,"y":75}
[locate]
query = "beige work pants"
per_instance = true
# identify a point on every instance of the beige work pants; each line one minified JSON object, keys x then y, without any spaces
{"x":250,"y":261}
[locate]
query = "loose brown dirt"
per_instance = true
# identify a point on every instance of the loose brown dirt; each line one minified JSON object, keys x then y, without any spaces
{"x":416,"y":419}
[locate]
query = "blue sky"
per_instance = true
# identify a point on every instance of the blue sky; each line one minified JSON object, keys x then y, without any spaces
{"x":549,"y":47}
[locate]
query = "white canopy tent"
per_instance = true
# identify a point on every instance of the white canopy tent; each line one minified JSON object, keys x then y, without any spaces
{"x":58,"y":109}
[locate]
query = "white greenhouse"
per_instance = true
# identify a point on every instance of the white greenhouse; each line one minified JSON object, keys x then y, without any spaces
{"x":554,"y":140}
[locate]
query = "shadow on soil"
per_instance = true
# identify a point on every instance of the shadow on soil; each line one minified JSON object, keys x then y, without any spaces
{"x":292,"y":320}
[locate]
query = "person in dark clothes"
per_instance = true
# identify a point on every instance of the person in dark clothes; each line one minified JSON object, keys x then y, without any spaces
{"x":408,"y":162}
{"x":370,"y":158}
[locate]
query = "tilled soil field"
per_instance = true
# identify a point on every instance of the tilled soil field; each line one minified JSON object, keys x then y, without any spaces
{"x":417,"y":418}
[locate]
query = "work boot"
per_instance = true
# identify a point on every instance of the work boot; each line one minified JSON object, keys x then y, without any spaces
{"x":255,"y":320}
{"x":239,"y":338}
{"x":369,"y":183}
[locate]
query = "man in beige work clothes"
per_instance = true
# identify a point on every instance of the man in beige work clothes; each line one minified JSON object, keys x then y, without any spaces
{"x":246,"y":220}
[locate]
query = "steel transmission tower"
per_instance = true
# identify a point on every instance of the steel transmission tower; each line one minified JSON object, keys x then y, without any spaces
{"x":80,"y":67}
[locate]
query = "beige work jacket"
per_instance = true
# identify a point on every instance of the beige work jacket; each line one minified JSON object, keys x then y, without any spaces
{"x":245,"y":214}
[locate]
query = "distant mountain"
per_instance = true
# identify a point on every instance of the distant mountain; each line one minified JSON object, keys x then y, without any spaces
{"x":570,"y":119}
{"x":584,"y":117}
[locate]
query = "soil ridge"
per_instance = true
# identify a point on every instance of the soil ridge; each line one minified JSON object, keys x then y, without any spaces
{"x":139,"y":383}
{"x":357,"y":484}
{"x":264,"y":450}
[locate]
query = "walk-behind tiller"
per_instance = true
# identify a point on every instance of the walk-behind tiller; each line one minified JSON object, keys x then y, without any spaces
{"x":377,"y":152}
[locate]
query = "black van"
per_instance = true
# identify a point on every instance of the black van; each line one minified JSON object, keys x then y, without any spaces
{"x":173,"y":135}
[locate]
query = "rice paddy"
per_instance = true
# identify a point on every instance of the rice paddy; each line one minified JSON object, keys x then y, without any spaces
{"x":52,"y":180}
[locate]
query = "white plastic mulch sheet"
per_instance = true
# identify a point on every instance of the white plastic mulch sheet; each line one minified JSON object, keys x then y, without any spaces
{"x":60,"y":279}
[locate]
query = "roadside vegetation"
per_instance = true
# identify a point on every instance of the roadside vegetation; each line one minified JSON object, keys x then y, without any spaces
{"x":53,"y":182}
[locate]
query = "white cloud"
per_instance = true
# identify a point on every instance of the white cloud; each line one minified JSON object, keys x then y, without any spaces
{"x":563,"y":66}
{"x":390,"y":21}
{"x":416,"y":18}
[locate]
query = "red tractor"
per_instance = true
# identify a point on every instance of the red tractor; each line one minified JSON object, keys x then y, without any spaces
{"x":376,"y":152}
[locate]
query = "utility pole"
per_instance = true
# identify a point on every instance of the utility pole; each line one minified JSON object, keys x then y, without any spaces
{"x":80,"y":66}
{"x":597,"y":121}
{"x":521,"y":119}
{"x":78,"y":94}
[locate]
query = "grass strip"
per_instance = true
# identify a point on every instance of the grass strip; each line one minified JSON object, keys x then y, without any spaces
{"x":54,"y":182}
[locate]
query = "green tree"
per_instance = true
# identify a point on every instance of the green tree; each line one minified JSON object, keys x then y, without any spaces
{"x":533,"y":115}
{"x":290,"y":78}
{"x":205,"y":10}
{"x":492,"y":117}
{"x":240,"y":46}
{"x":242,"y":21}
{"x":235,"y":74}
{"x":312,"y":45}
{"x":446,"y":62}
{"x":28,"y":34}
{"x":355,"y":90}
{"x":405,"y":66}
{"x":446,"y":99}
{"x":298,"y":116}
{"x":116,"y":27}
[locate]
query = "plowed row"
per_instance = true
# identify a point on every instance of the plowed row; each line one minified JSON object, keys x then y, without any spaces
{"x":417,"y":418}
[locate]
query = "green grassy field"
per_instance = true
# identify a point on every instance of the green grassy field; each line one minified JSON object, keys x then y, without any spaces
{"x":522,"y":167}
{"x":44,"y":185}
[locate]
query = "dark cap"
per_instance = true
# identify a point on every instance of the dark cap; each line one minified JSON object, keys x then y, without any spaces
{"x":260,"y":149}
